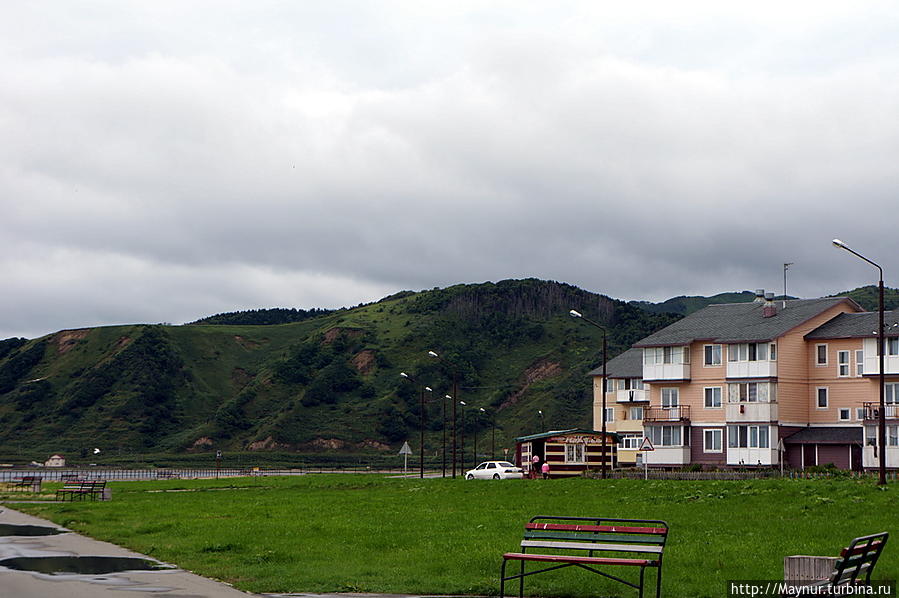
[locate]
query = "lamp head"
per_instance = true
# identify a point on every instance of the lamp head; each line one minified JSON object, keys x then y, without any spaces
{"x":482,"y":410}
{"x":429,"y":389}
{"x":540,"y":411}
{"x":575,"y":314}
{"x":432,"y":354}
{"x":448,"y":397}
{"x":404,"y":374}
{"x":838,"y":243}
{"x":463,"y":403}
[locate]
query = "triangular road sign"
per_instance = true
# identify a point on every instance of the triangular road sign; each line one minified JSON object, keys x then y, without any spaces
{"x":646,"y":445}
{"x":406,"y":450}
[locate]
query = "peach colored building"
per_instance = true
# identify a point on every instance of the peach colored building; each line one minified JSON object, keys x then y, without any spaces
{"x":749,"y":384}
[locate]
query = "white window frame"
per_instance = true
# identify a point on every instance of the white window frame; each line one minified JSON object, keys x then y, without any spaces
{"x":818,"y":397}
{"x":632,"y":410}
{"x":845,"y":411}
{"x":672,"y":393}
{"x":630,"y":442}
{"x":708,"y":356}
{"x":705,"y":397}
{"x":610,"y":414}
{"x":576,"y":452}
{"x":752,"y":436}
{"x":656,"y":434}
{"x":843,"y":365}
{"x":859,"y":363}
{"x":860,"y":414}
{"x":705,"y":440}
{"x":818,"y":362}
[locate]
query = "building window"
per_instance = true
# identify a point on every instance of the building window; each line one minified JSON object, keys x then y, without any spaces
{"x":891,"y":393}
{"x":822,"y":398}
{"x":820,"y":354}
{"x":749,"y":352}
{"x":892,"y":435}
{"x":772,"y":351}
{"x":635,"y":413}
{"x":860,"y":413}
{"x":892,"y":346}
{"x":713,"y":397}
{"x":630,"y":442}
{"x":666,"y":355}
{"x":845,"y":414}
{"x":610,"y":414}
{"x":859,"y":363}
{"x":843,"y":364}
{"x":575,"y":453}
{"x":748,"y":437}
{"x":670,"y":398}
{"x":664,"y":435}
{"x":610,"y":385}
{"x":711,"y":441}
{"x":712,"y":355}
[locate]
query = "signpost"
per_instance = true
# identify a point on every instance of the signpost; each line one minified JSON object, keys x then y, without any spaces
{"x":646,"y":446}
{"x":780,"y":451}
{"x":405,"y":452}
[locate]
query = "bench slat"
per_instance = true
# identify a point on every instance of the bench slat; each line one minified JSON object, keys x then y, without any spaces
{"x":621,"y":529}
{"x":584,"y":560}
{"x":591,"y":546}
{"x":595,"y":537}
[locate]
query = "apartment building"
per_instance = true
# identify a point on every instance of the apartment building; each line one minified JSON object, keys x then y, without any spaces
{"x":749,"y":384}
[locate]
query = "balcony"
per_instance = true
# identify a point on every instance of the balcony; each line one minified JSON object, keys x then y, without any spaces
{"x":751,"y":412}
{"x":681,"y":413}
{"x":752,"y":456}
{"x":870,"y":461}
{"x":667,"y":455}
{"x":751,"y":369}
{"x":872,"y":411}
{"x":630,"y":396}
{"x":666,"y":371}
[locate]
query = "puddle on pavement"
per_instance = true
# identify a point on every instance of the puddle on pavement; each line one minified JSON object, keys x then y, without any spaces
{"x":12,"y":529}
{"x":81,"y":565}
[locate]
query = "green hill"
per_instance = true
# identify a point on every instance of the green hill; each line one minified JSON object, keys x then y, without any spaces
{"x":685,"y":305}
{"x":327,"y":381}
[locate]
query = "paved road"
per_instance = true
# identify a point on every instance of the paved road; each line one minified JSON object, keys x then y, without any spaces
{"x":175,"y":583}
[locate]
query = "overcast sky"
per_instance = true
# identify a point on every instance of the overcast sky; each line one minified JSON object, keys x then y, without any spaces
{"x":163,"y":161}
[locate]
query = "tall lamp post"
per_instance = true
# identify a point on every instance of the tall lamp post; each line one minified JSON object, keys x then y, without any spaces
{"x":454,"y":370}
{"x":542,"y":420}
{"x":882,"y":422}
{"x":605,"y":358}
{"x":463,"y":404}
{"x":492,"y":433}
{"x":421,"y":422}
{"x":444,"y":431}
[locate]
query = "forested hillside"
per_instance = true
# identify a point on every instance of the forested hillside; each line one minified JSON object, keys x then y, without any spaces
{"x":328,"y":381}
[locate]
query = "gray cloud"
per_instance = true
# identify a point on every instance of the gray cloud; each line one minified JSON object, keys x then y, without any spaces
{"x":160,"y":163}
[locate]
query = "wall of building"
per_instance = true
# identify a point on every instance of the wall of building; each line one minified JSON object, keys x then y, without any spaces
{"x":843,"y":392}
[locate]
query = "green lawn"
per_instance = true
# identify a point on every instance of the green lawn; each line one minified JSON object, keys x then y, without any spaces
{"x":367,"y":533}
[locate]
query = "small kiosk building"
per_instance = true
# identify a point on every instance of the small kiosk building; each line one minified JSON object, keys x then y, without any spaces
{"x":568,"y":452}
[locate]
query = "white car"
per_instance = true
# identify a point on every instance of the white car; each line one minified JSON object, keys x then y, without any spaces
{"x":494,"y":470}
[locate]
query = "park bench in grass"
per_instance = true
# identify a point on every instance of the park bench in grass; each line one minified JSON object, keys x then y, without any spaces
{"x":81,"y":489}
{"x":592,"y":543}
{"x":28,"y":482}
{"x":853,"y":567}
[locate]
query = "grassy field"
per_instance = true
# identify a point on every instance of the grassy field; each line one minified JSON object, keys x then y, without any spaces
{"x":368,"y":533}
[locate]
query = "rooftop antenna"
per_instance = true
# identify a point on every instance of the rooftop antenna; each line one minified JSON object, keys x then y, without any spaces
{"x":786,"y":267}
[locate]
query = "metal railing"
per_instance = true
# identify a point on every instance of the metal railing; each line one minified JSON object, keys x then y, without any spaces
{"x":666,"y":414}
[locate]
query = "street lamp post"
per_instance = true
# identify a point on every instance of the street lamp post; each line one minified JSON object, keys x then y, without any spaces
{"x":542,"y":420}
{"x":605,"y":358}
{"x":477,"y":423}
{"x":421,"y":423}
{"x":463,"y":404}
{"x":881,"y":423}
{"x":444,"y":431}
{"x":455,"y":394}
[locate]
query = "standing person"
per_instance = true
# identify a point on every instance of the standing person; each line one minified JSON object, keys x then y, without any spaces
{"x":535,"y":464}
{"x":545,"y":470}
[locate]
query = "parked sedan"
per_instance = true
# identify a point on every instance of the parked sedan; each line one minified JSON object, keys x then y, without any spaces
{"x":494,"y":470}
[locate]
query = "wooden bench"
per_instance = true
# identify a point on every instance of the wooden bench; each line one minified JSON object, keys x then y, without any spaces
{"x":27,"y":483}
{"x":589,"y":542}
{"x":81,"y":489}
{"x":853,"y":567}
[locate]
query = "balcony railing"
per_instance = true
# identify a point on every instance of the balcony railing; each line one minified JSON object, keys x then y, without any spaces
{"x":751,"y":412}
{"x":681,"y":413}
{"x":872,"y":411}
